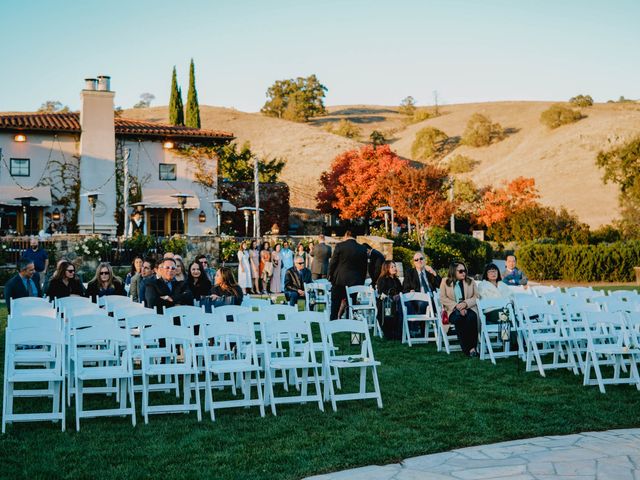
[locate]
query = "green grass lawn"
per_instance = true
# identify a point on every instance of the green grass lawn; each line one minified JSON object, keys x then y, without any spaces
{"x":433,"y":402}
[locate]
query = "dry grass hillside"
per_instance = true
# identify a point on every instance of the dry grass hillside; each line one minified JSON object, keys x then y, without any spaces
{"x":562,"y":161}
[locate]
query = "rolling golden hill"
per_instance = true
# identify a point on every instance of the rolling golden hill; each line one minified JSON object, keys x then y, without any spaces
{"x":562,"y":161}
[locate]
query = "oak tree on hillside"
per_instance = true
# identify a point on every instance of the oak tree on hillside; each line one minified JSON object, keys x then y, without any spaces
{"x":407,"y":106}
{"x":53,"y":106}
{"x":481,"y":132}
{"x":557,"y":115}
{"x":145,"y":100}
{"x":297,"y":99}
{"x":429,"y":142}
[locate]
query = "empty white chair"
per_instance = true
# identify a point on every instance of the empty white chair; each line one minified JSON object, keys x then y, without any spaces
{"x":250,"y":302}
{"x":61,"y":303}
{"x":229,"y":313}
{"x":88,"y":308}
{"x":540,"y":290}
{"x":625,"y":295}
{"x":428,"y":318}
{"x":244,"y":364}
{"x":19,"y":305}
{"x":153,"y":357}
{"x":364,"y":307}
{"x":33,"y":321}
{"x":111,"y":302}
{"x":119,"y":368}
{"x":608,"y":338}
{"x":279,"y":339}
{"x":21,"y":371}
{"x":583,"y":292}
{"x":316,"y":294}
{"x":362,"y":361}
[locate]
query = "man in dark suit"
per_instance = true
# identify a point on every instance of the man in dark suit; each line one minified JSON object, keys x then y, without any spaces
{"x":376,"y":259}
{"x":294,"y":280}
{"x":422,"y":278}
{"x":22,"y":284}
{"x":165,"y":291}
{"x":348,"y":267}
{"x":321,"y":255}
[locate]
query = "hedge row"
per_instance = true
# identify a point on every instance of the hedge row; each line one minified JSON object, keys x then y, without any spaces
{"x":605,"y":262}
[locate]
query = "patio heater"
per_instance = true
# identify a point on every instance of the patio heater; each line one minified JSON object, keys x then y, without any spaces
{"x":182,"y":202}
{"x":247,"y":212}
{"x":386,"y":210}
{"x":218,"y":203}
{"x":26,"y":203}
{"x":92,"y":198}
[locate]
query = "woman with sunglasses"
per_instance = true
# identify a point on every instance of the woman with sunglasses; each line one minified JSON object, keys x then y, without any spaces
{"x":65,"y":282}
{"x":458,"y":296}
{"x":104,"y":283}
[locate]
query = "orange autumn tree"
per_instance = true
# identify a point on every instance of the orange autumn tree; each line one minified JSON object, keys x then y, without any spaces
{"x":355,"y":185}
{"x":515,"y":196}
{"x":420,"y":195}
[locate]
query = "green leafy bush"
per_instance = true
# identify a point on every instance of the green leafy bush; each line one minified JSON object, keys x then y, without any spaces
{"x":481,"y":132}
{"x":348,"y":129}
{"x":428,"y":142}
{"x":93,"y":248}
{"x":140,"y":245}
{"x":611,"y":262}
{"x":462,"y":164}
{"x":228,"y":249}
{"x":558,"y":115}
{"x":175,"y":244}
{"x":581,"y":101}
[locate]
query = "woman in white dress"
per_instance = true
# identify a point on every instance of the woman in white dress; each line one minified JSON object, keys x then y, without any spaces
{"x":276,"y":286}
{"x":244,"y":268}
{"x":254,"y":259}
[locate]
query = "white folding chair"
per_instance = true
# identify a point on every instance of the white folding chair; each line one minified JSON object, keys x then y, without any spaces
{"x":153,"y":357}
{"x":316,"y":294}
{"x":428,"y":318}
{"x":243,"y":364}
{"x":584,"y":292}
{"x":625,"y":295}
{"x":61,"y":303}
{"x":21,"y":306}
{"x":88,"y":308}
{"x":251,"y":302}
{"x":289,"y":358}
{"x":495,"y":339}
{"x":544,"y":333}
{"x":229,"y":313}
{"x":111,"y":302}
{"x":540,"y":290}
{"x":363,"y":361}
{"x":609,"y":338}
{"x":19,"y":369}
{"x":446,"y":336}
{"x":119,"y":368}
{"x":364,"y":306}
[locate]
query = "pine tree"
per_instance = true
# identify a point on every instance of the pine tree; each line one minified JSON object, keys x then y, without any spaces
{"x":193,"y":109}
{"x":176,"y":115}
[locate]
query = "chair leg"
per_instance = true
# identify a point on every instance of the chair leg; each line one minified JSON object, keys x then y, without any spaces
{"x":132,"y":399}
{"x":78,"y":403}
{"x":197,"y":397}
{"x":318,"y":391}
{"x":376,"y":386}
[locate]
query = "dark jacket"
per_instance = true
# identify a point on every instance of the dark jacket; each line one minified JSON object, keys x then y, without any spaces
{"x":157,"y":288}
{"x":376,"y":259}
{"x":321,"y":255}
{"x":292,"y":281}
{"x":228,"y":298}
{"x":14,"y":288}
{"x":412,"y":281}
{"x":348,"y":265}
{"x":57,"y":288}
{"x":200,"y":289}
{"x":94,"y":291}
{"x":388,"y":285}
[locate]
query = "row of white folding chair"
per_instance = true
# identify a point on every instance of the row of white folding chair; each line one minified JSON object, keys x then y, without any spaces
{"x":625,"y":295}
{"x":539,"y":290}
{"x":20,"y":369}
{"x":364,"y":306}
{"x":610,"y":342}
{"x":31,"y":306}
{"x":410,"y":302}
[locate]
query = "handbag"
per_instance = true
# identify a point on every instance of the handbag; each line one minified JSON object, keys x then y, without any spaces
{"x":444,"y":316}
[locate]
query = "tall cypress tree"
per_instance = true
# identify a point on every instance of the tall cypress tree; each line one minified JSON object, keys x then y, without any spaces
{"x":176,"y":115}
{"x":193,"y":109}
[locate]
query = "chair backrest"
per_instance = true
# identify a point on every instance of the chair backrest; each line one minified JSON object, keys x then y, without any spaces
{"x":135,"y":309}
{"x":276,"y":312}
{"x":64,"y":302}
{"x":520,"y":289}
{"x":173,"y":335}
{"x":229,"y":311}
{"x":250,"y":302}
{"x":493,"y":303}
{"x":92,"y":320}
{"x":542,"y":314}
{"x":100,"y":334}
{"x":19,"y":322}
{"x":111,"y":302}
{"x":351,"y":327}
{"x":605,"y":328}
{"x":540,"y":290}
{"x":365,"y":295}
{"x":81,"y":309}
{"x":146,"y":320}
{"x":625,"y":295}
{"x":583,"y":292}
{"x":43,"y":309}
{"x":18,"y":304}
{"x":51,"y":339}
{"x":311,"y":317}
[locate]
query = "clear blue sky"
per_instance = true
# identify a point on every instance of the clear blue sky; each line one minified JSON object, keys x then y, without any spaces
{"x":371,"y":51}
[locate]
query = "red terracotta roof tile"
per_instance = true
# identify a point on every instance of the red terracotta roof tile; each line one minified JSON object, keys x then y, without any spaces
{"x":70,"y":122}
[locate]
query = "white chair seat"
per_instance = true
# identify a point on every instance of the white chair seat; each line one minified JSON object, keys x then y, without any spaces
{"x":170,"y":369}
{"x":285,"y":363}
{"x":33,"y":375}
{"x":232,"y":366}
{"x":99,"y":373}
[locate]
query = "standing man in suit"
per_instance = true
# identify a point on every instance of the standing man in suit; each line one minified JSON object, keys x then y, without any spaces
{"x":348,"y":267}
{"x":321,"y":255}
{"x":22,"y":284}
{"x":376,"y":259}
{"x":165,"y":291}
{"x":294,"y":281}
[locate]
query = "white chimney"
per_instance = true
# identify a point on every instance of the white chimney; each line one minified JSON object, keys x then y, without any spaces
{"x":90,"y":83}
{"x":104,"y":83}
{"x":97,"y":155}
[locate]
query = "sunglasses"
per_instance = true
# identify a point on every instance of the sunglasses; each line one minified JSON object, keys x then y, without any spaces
{"x":299,"y":263}
{"x":71,"y":271}
{"x":170,"y":267}
{"x":418,"y":259}
{"x":104,"y":273}
{"x":462,"y":271}
{"x":204,"y":262}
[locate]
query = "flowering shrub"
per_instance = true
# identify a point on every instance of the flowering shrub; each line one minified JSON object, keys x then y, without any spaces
{"x":175,"y":244}
{"x":93,"y":248}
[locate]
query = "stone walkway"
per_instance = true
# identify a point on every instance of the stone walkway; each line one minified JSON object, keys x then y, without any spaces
{"x":611,"y":455}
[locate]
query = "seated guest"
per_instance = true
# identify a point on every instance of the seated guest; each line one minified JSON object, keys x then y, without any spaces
{"x":197,"y":281}
{"x":165,"y":291}
{"x":210,"y":271}
{"x":104,"y":283}
{"x":139,"y":283}
{"x":421,"y":278}
{"x":512,"y":274}
{"x":458,"y":296}
{"x":491,"y":285}
{"x":65,"y":282}
{"x":226,"y":290}
{"x":294,"y":281}
{"x":389,"y":289}
{"x":136,"y":267}
{"x":22,"y":284}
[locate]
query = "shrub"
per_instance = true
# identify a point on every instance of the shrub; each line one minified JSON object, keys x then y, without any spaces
{"x":481,"y":132}
{"x":140,"y":245}
{"x":581,"y":101}
{"x":428,"y":142}
{"x":419,"y":115}
{"x":605,"y":234}
{"x":377,"y":138}
{"x":558,"y":115}
{"x":407,"y":106}
{"x":612,"y":262}
{"x":403,"y":255}
{"x":462,"y":164}
{"x":228,"y":249}
{"x":175,"y":244}
{"x":347,"y":129}
{"x":93,"y":248}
